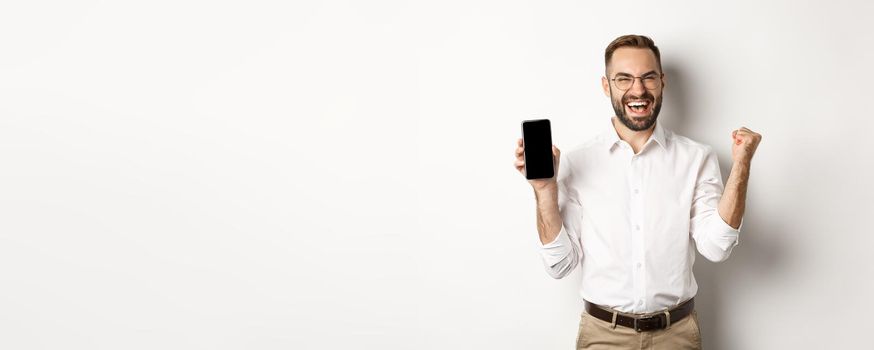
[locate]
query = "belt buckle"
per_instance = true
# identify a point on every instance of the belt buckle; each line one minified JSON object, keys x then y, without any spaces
{"x":637,"y":322}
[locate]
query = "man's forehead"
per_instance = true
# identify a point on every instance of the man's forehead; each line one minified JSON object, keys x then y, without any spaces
{"x":633,"y":60}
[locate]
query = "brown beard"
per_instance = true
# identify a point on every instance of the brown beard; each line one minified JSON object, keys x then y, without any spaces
{"x":619,"y":108}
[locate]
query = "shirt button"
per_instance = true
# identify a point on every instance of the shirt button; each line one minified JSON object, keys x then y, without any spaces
{"x":639,"y":265}
{"x":637,"y":227}
{"x":640,"y":302}
{"x":636,"y":191}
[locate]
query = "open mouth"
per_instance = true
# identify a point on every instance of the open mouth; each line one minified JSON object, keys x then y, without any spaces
{"x":639,"y":107}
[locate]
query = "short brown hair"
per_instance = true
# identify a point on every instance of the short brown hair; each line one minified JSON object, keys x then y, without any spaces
{"x":631,"y":40}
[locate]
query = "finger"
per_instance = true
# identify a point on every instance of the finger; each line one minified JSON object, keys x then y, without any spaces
{"x":520,"y":163}
{"x":746,"y":133}
{"x":519,"y":142}
{"x":520,"y":151}
{"x":747,"y":139}
{"x":737,"y":135}
{"x":555,"y":151}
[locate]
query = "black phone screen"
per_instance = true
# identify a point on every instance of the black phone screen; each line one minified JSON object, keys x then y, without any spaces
{"x":537,"y":139}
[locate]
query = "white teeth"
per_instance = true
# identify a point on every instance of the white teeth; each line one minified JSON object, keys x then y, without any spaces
{"x":636,"y":104}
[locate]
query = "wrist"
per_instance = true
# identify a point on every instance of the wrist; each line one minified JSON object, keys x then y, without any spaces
{"x":742,"y":163}
{"x":741,"y":167}
{"x":549,"y":189}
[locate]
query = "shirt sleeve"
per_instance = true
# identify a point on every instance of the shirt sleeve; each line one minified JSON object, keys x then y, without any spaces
{"x":713,"y":237}
{"x":563,"y":254}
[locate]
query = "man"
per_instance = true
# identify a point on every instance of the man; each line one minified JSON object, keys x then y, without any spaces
{"x":632,"y":206}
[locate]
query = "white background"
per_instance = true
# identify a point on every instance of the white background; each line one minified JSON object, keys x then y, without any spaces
{"x":326,"y":175}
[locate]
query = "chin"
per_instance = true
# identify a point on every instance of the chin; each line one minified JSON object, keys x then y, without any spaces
{"x":640,"y":123}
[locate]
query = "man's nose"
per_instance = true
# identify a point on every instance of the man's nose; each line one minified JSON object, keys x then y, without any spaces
{"x":637,"y":87}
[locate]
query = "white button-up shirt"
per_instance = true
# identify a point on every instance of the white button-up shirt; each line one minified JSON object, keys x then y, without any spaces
{"x":632,"y":222}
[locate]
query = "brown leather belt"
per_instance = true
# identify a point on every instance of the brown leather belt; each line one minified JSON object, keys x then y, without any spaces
{"x":643,"y":323}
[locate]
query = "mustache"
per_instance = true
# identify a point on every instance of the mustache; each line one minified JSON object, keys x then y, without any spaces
{"x":646,"y":96}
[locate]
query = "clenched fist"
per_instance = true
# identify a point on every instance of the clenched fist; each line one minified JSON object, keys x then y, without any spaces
{"x":744,"y":146}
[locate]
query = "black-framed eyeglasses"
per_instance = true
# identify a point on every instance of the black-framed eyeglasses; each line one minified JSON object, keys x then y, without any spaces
{"x":650,"y":82}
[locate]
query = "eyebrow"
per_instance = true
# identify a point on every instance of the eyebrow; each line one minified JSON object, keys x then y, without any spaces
{"x":643,"y":75}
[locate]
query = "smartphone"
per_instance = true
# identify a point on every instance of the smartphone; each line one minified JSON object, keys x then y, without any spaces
{"x":537,"y":137}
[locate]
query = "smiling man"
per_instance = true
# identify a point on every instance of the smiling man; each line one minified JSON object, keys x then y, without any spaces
{"x":633,"y":205}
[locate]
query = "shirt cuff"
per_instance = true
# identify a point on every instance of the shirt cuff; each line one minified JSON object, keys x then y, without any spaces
{"x":555,"y":251}
{"x":728,"y":236}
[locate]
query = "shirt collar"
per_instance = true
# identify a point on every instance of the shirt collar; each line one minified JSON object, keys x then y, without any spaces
{"x":658,"y":134}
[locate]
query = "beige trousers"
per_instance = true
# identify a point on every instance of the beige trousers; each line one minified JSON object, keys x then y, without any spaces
{"x":596,"y":334}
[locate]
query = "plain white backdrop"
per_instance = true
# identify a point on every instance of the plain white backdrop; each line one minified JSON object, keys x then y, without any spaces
{"x":329,"y":174}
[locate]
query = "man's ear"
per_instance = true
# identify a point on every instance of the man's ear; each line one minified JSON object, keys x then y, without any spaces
{"x":664,"y":80}
{"x":605,"y":84}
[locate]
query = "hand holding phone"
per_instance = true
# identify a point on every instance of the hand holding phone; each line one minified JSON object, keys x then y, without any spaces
{"x":536,"y":157}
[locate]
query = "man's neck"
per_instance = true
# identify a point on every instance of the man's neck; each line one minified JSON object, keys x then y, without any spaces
{"x":634,"y":138}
